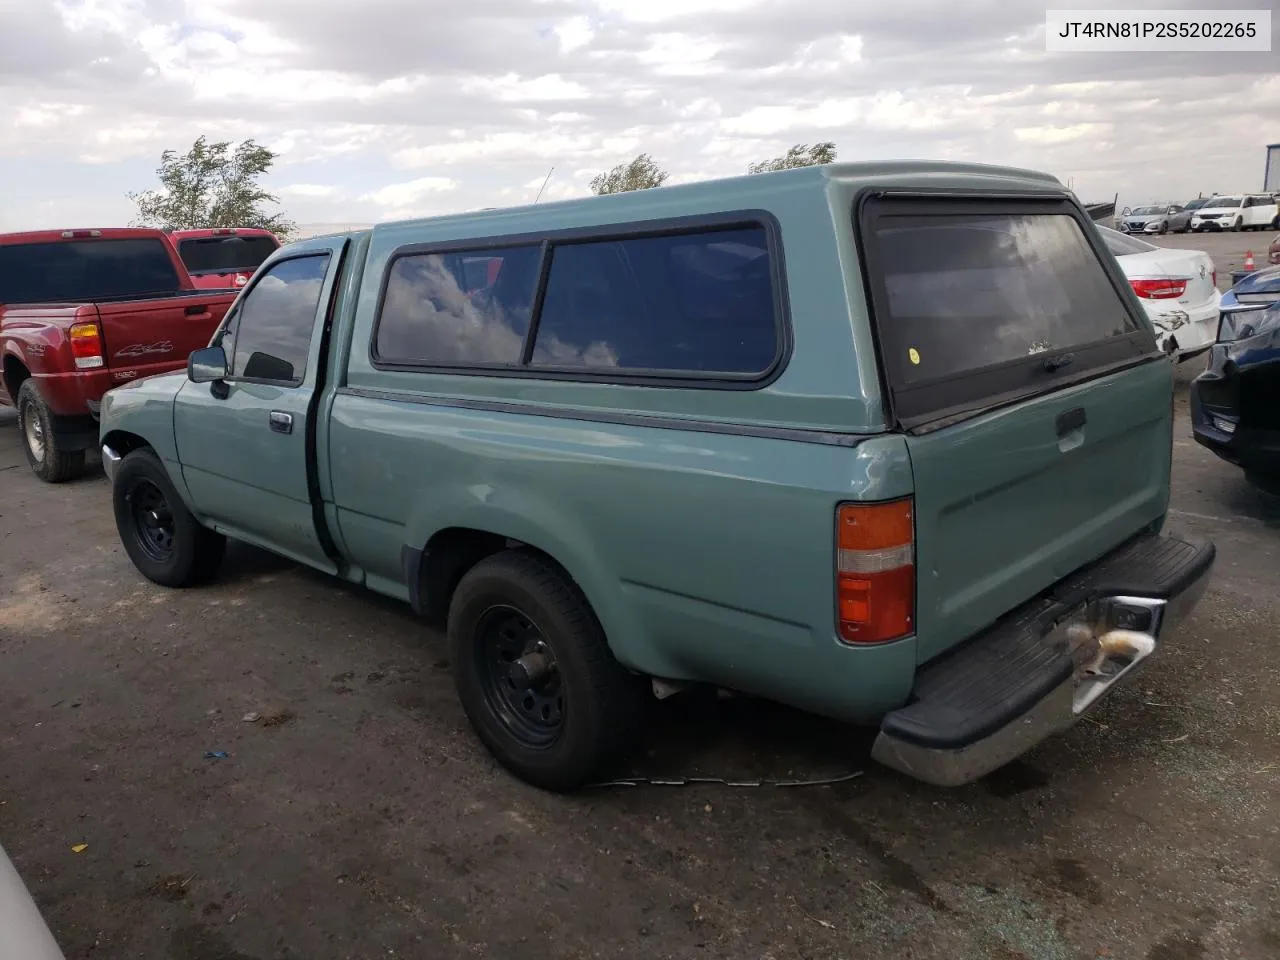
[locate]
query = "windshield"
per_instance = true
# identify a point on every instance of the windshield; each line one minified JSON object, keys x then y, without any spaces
{"x":225,"y":254}
{"x":1123,"y":244}
{"x":83,"y":271}
{"x":1196,"y":204}
{"x":1146,"y":211}
{"x":1226,"y":202}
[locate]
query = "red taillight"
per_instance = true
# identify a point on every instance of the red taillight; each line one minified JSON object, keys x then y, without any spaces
{"x":875,"y":571}
{"x":223,"y":232}
{"x":1163,"y":289}
{"x":86,"y":345}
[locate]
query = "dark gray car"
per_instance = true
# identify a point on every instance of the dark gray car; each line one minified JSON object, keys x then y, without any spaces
{"x":1181,"y":221}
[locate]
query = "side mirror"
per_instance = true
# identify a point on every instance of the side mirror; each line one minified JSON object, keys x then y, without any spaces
{"x":207,"y":365}
{"x":1124,"y":212}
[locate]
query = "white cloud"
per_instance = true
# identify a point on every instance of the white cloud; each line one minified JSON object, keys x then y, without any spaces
{"x":657,"y":11}
{"x":496,"y":148}
{"x":512,"y":86}
{"x":680,"y":55}
{"x":410,"y":192}
{"x":574,"y":34}
{"x":309,"y":190}
{"x":1063,"y":134}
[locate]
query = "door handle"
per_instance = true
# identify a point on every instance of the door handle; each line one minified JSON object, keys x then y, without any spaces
{"x":200,"y":313}
{"x":1071,"y":420}
{"x":280,"y":421}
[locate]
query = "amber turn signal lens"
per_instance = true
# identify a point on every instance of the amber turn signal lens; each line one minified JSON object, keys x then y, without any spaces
{"x":86,"y":345}
{"x":875,"y":571}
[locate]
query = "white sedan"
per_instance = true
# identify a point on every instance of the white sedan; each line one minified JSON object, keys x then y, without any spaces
{"x":1178,"y":289}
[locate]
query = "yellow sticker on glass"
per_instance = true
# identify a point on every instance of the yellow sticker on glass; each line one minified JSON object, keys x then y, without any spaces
{"x":914,"y":355}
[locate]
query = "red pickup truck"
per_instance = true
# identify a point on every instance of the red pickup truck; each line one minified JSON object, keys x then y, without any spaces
{"x":223,"y":257}
{"x":82,"y":311}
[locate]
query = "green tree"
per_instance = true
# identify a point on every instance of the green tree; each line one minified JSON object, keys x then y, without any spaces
{"x":801,"y":155}
{"x":212,"y":185}
{"x":640,"y":174}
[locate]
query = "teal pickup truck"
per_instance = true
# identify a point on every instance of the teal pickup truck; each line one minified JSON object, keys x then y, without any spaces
{"x":887,"y":442}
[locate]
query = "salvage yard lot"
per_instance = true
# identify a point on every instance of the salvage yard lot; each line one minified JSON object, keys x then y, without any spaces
{"x":358,"y":817}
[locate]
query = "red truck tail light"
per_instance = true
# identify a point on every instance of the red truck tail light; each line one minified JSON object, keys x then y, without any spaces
{"x":86,"y":345}
{"x":1163,"y":289}
{"x":875,"y":570}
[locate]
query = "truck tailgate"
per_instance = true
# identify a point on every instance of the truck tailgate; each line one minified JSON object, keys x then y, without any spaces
{"x":1009,"y":503}
{"x":144,"y":337}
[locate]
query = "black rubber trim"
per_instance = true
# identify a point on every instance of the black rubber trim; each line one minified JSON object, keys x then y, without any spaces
{"x":75,"y":432}
{"x":998,"y":676}
{"x":1156,"y":567}
{"x":990,"y":682}
{"x":337,"y":263}
{"x":411,"y":564}
{"x":798,"y":434}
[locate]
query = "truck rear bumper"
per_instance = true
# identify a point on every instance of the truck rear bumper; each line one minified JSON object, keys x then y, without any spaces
{"x":1036,"y":671}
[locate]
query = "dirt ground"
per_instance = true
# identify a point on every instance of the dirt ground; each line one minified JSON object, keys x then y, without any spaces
{"x":359,"y":818}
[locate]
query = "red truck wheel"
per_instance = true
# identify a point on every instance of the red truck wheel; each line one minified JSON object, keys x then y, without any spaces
{"x":38,"y":440}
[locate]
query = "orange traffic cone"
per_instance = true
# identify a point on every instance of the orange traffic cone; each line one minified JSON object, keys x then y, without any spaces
{"x":1248,"y":260}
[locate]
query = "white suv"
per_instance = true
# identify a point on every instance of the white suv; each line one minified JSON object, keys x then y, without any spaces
{"x":1250,"y":211}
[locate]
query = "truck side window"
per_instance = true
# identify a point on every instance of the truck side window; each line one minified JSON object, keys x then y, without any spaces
{"x":470,"y":307}
{"x":275,"y":321}
{"x":699,"y":302}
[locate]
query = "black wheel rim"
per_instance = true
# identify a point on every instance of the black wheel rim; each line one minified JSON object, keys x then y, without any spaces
{"x":152,"y":520}
{"x":532,"y":714}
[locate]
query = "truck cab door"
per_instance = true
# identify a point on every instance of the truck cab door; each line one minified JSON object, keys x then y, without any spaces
{"x":246,"y":452}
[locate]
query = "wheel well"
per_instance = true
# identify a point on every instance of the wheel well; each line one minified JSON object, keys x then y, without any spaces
{"x":14,"y":375}
{"x":123,"y":442}
{"x":450,"y":553}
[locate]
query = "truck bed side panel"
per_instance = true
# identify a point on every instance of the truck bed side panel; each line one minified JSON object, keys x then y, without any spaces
{"x":740,"y":598}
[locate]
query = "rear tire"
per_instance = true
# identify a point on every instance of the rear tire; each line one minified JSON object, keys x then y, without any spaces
{"x":162,"y":538}
{"x":35,"y":421}
{"x":583,"y":709}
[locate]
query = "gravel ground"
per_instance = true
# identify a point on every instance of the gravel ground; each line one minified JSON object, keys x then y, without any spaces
{"x":359,"y":818}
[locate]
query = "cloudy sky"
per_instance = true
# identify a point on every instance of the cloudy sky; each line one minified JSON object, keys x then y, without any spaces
{"x":391,"y":108}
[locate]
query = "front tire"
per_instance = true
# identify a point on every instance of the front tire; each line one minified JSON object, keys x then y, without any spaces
{"x":535,"y":674}
{"x":39,"y":441}
{"x":165,"y":542}
{"x":1164,"y":228}
{"x":1238,"y":225}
